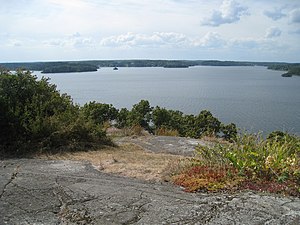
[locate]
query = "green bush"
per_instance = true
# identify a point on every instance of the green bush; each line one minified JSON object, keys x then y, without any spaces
{"x":204,"y":124}
{"x":99,"y":112}
{"x":123,"y":118}
{"x":141,"y":114}
{"x":35,"y":116}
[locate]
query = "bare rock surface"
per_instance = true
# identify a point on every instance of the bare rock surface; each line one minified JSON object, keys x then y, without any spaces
{"x":68,"y":192}
{"x":164,"y":144}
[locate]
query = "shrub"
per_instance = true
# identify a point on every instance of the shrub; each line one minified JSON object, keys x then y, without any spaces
{"x":99,"y":112}
{"x":229,"y":131}
{"x":35,"y":116}
{"x":141,"y":114}
{"x":204,"y":124}
{"x":123,"y":118}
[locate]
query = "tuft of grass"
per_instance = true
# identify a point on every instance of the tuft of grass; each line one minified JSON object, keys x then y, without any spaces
{"x":135,"y":130}
{"x":271,"y":164}
{"x":162,"y":131}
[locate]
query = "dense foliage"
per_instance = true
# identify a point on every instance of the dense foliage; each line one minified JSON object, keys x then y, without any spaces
{"x":159,"y":120}
{"x":99,"y":113}
{"x":34,"y":115}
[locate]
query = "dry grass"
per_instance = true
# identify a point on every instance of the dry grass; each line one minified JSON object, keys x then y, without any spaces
{"x":127,"y":160}
{"x":136,"y":130}
{"x":166,"y":132}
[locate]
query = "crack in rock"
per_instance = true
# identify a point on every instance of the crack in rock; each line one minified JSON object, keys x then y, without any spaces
{"x":65,"y":214}
{"x":13,"y":176}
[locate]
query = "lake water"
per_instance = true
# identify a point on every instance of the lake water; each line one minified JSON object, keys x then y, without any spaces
{"x":254,"y":98}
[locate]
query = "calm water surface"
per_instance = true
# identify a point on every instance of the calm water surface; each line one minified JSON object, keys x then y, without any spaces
{"x":254,"y":98}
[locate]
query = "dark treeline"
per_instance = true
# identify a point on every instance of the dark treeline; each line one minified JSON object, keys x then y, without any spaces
{"x":52,"y":67}
{"x":160,"y":120}
{"x":93,"y":65}
{"x":69,"y":68}
{"x":292,"y":69}
{"x":34,"y":116}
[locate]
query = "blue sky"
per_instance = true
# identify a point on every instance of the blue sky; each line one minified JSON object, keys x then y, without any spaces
{"x":46,"y":30}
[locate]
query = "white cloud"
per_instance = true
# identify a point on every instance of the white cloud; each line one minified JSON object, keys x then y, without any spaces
{"x":273,"y":32}
{"x":210,"y":40}
{"x":143,"y":40}
{"x":275,"y":14}
{"x":229,"y":12}
{"x":244,"y":43}
{"x":73,"y":41}
{"x":163,"y":39}
{"x":15,"y":43}
{"x":295,"y":32}
{"x":294,"y":16}
{"x":258,"y":45}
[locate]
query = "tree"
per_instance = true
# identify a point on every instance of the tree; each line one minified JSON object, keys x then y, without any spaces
{"x":229,"y":131}
{"x":207,"y":124}
{"x":99,"y":113}
{"x":141,"y":114}
{"x":161,"y":117}
{"x":123,"y":118}
{"x":176,"y":121}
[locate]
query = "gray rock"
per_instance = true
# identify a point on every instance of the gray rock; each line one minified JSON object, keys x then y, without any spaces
{"x":164,"y":144}
{"x":67,"y":192}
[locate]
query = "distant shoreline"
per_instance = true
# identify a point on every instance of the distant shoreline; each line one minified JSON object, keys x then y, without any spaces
{"x":93,"y":65}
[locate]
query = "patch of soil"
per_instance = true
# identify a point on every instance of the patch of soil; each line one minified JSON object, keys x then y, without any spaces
{"x":128,"y":160}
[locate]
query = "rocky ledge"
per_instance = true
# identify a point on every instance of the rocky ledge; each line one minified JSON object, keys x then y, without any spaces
{"x":68,"y":192}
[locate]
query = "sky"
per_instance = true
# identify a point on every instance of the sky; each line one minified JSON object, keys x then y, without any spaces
{"x":241,"y":30}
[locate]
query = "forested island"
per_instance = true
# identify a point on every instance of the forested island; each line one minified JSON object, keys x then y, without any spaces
{"x":292,"y":69}
{"x":93,"y":65}
{"x":70,"y":68}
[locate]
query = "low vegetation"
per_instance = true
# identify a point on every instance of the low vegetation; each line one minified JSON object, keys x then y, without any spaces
{"x":250,"y":162}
